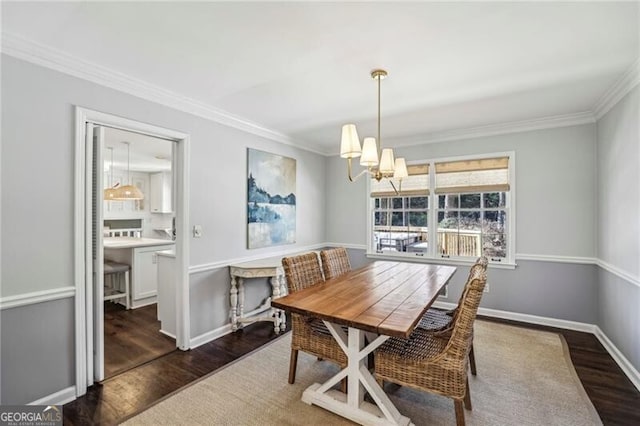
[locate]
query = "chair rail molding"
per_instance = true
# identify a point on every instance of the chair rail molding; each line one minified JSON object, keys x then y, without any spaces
{"x":557,"y":259}
{"x":619,"y":272}
{"x":25,"y":299}
{"x":204,"y":267}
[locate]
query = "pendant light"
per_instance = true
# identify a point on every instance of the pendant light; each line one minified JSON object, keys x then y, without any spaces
{"x":379,"y":162}
{"x":129,"y":191}
{"x":110,"y":192}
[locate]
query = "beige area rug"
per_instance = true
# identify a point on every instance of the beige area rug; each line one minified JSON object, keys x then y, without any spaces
{"x":525,"y":377}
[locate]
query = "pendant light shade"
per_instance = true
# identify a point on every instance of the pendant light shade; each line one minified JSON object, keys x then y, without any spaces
{"x":109,"y":194}
{"x":127,"y":192}
{"x":369,"y":156}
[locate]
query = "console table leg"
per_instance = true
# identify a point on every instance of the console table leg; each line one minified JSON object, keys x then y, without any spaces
{"x":275,"y":293}
{"x":240,"y":299}
{"x":283,"y":292}
{"x":233,"y":296}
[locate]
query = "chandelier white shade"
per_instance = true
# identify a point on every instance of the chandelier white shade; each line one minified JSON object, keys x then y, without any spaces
{"x":400,"y":169}
{"x":369,"y":156}
{"x":378,"y":162}
{"x":350,"y":143}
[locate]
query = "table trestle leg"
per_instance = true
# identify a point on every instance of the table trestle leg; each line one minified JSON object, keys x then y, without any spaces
{"x":353,"y":406}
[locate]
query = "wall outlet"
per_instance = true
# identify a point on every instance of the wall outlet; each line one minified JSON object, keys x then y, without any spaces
{"x":486,"y":288}
{"x":197,"y":231}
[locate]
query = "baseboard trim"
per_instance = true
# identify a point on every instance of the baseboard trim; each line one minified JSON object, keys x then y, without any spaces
{"x":36,"y":297}
{"x":626,"y":366}
{"x":59,"y":398}
{"x":530,"y":319}
{"x":166,"y":333}
{"x":619,"y":358}
{"x":209,"y":336}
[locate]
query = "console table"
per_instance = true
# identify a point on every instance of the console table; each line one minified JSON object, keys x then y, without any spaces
{"x":264,"y":268}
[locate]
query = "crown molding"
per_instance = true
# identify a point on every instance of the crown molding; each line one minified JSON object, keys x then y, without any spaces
{"x":564,"y":120}
{"x":48,"y":57}
{"x":618,"y":90}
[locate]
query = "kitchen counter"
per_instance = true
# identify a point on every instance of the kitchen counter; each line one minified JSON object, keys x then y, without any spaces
{"x":142,"y":255}
{"x":131,"y":242}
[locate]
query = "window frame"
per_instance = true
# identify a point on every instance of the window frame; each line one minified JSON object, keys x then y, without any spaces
{"x":431,"y":256}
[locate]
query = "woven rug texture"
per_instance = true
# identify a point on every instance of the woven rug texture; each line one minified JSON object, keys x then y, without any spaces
{"x":525,"y":377}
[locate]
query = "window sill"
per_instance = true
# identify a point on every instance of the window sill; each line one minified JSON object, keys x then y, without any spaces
{"x":441,"y":261}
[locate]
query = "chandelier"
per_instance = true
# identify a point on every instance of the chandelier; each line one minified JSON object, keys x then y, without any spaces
{"x":379,"y":162}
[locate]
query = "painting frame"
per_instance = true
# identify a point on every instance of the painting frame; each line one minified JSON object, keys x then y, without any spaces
{"x":271,"y":199}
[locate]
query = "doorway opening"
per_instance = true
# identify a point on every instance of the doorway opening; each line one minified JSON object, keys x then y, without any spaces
{"x":136,"y":233}
{"x":131,"y":255}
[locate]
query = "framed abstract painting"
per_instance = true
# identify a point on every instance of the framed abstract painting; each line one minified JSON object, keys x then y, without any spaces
{"x":271,"y":199}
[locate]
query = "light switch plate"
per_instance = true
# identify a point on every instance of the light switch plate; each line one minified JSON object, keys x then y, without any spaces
{"x":197,"y":231}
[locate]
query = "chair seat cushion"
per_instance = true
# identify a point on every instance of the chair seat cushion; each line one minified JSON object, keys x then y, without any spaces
{"x":115,"y":267}
{"x":435,"y":319}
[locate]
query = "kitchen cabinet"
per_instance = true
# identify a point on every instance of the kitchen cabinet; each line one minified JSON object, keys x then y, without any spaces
{"x":167,"y":292}
{"x":160,"y":199}
{"x":141,"y":254}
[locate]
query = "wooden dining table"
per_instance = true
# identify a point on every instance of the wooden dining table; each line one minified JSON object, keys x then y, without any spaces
{"x":380,"y":300}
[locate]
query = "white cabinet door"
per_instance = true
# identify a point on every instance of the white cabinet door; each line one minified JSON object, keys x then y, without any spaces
{"x":145,"y":271}
{"x":161,"y":193}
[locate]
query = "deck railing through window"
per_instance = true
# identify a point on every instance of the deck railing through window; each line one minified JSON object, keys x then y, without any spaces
{"x":451,"y":242}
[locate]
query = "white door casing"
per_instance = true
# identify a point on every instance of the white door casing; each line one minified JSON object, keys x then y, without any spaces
{"x":95,"y":250}
{"x":85,"y":312}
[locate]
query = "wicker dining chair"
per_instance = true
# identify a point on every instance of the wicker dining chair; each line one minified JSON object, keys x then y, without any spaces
{"x":335,"y":262}
{"x":433,"y":363}
{"x":435,"y":320}
{"x":308,"y":334}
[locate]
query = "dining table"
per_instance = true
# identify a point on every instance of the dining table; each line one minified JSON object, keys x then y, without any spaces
{"x":380,"y":300}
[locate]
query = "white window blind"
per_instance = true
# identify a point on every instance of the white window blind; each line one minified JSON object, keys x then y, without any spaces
{"x":416,"y":184}
{"x":482,"y":175}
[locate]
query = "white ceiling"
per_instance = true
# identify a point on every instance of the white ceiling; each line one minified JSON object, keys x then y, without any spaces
{"x":302,"y":69}
{"x":144,"y":154}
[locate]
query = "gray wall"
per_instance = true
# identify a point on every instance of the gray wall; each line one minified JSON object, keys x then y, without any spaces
{"x":554,"y":167}
{"x":36,"y":350}
{"x":37,"y":201}
{"x":619,"y":224}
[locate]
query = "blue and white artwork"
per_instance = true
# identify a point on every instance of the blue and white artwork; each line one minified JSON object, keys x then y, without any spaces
{"x":271,"y":199}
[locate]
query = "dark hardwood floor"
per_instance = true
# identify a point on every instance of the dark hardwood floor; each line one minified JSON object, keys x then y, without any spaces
{"x":132,"y":338}
{"x":614,"y":396}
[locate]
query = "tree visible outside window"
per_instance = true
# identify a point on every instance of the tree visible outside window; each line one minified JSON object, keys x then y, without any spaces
{"x":469,"y":210}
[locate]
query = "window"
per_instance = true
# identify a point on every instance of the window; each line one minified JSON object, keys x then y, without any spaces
{"x":401,"y":221}
{"x":469,"y":210}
